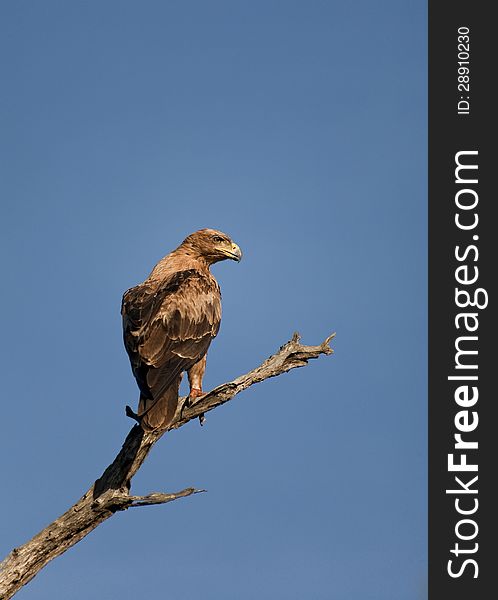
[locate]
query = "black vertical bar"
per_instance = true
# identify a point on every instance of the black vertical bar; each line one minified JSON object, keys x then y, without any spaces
{"x":462,"y":119}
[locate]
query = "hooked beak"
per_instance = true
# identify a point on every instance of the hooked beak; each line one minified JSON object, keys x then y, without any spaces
{"x":235,"y":253}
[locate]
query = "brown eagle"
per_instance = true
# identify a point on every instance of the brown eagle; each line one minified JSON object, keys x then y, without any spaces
{"x":169,"y":321}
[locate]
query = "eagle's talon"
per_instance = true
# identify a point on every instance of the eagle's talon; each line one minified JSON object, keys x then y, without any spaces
{"x":195,"y":393}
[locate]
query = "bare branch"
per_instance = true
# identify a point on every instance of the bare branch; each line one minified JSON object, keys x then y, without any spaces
{"x":110,"y":493}
{"x":114,"y":501}
{"x":158,"y":498}
{"x":290,"y":356}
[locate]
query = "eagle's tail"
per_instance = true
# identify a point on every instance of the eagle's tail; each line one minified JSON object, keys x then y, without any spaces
{"x":158,"y":413}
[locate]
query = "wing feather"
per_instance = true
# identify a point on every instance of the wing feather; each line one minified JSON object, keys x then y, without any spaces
{"x":167,"y":329}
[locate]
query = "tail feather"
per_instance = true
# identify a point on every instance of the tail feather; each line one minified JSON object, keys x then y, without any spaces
{"x":158,"y":413}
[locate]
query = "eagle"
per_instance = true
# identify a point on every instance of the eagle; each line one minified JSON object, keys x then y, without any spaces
{"x":169,"y":321}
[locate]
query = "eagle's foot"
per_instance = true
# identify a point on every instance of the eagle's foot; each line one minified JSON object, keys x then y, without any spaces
{"x":193,"y":395}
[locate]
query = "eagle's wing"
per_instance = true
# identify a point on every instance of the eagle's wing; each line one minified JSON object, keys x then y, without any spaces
{"x":168,"y":329}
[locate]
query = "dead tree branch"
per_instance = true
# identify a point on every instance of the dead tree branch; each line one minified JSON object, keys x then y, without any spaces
{"x":110,"y":493}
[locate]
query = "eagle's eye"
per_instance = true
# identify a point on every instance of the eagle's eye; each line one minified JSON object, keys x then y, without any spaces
{"x":217,"y":238}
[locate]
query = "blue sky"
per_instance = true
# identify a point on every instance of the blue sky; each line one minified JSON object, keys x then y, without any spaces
{"x":300,"y":129}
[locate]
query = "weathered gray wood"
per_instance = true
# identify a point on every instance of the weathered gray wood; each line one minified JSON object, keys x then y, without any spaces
{"x":110,"y":493}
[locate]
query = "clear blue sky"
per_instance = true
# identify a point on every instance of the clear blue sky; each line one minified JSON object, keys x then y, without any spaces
{"x":299,"y":128}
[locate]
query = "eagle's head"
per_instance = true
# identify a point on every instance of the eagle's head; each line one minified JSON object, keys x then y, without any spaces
{"x":212,"y":245}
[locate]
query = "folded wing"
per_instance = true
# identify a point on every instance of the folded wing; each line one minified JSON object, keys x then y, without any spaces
{"x":167,"y":329}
